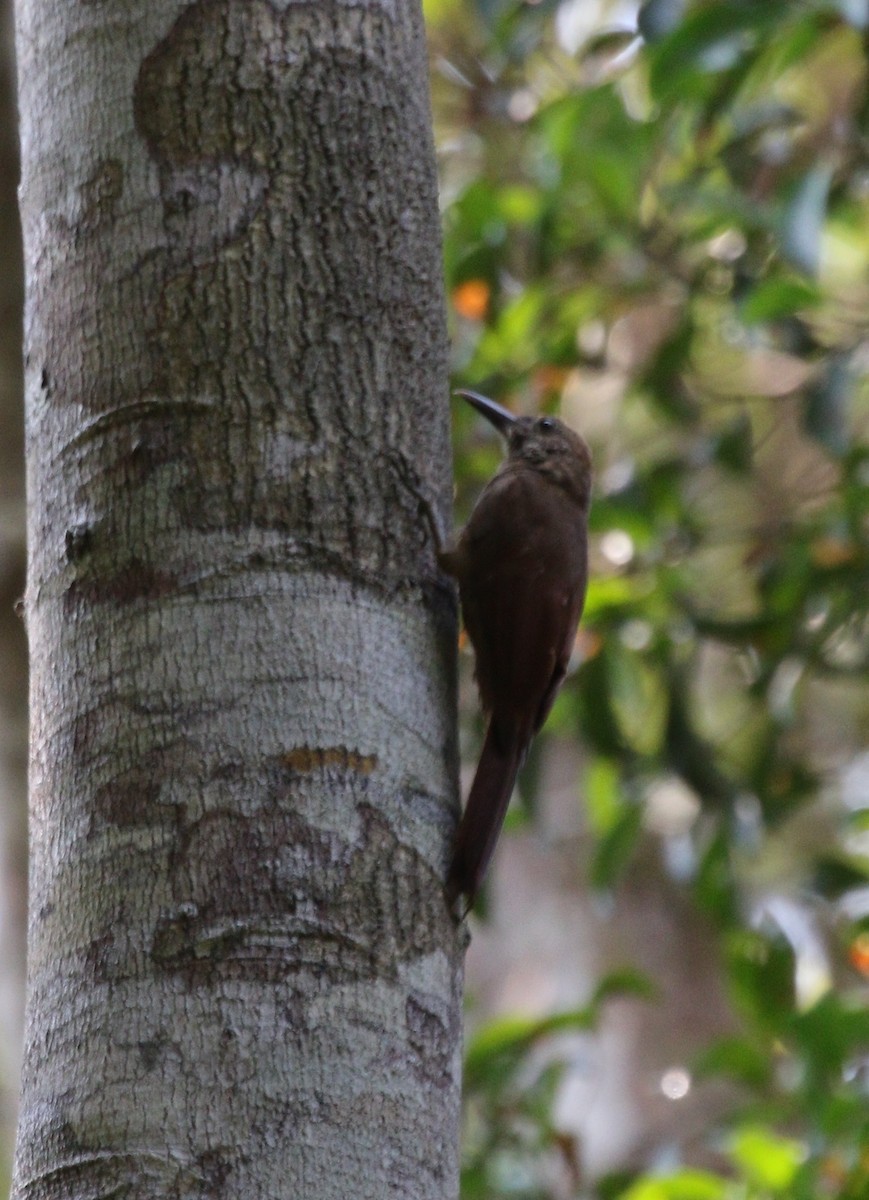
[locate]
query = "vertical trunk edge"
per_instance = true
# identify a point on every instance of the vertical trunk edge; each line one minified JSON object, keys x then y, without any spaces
{"x":242,"y":976}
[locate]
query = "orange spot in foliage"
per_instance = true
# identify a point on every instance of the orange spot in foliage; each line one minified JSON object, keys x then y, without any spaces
{"x":588,"y":644}
{"x":833,"y":1171}
{"x":859,"y":953}
{"x":471,"y":299}
{"x":832,"y":552}
{"x":548,"y":379}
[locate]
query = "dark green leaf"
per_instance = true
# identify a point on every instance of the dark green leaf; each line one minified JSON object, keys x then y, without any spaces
{"x":836,"y":876}
{"x":626,"y":982}
{"x":711,"y":39}
{"x":616,"y":848}
{"x":608,"y":43}
{"x":733,"y":445}
{"x":738,"y":1059}
{"x":762,"y":972}
{"x":831,"y":1032}
{"x":826,"y":404}
{"x":502,"y":1042}
{"x":715,"y":886}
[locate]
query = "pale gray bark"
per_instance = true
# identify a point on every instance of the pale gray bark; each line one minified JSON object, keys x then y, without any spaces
{"x":243,"y":980}
{"x":13,"y":653}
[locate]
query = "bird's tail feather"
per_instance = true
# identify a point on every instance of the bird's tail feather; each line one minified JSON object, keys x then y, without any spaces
{"x":484,"y":814}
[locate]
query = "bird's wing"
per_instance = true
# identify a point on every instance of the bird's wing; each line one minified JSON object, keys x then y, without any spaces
{"x":522,"y":593}
{"x":576,"y":600}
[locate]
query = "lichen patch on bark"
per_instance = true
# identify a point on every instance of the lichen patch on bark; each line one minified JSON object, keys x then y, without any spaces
{"x":306,"y":759}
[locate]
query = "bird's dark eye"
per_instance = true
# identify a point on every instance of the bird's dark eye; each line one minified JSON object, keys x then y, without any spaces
{"x":546,"y":423}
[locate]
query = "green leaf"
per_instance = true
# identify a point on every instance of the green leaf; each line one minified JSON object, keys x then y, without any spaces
{"x":767,"y":1160}
{"x":598,"y":719}
{"x":609,"y":42}
{"x":738,"y":1059}
{"x":714,"y":885}
{"x":830,"y":1032}
{"x":733,"y":445}
{"x":612,"y":594}
{"x":712,"y":38}
{"x":664,"y":376}
{"x":773,"y":299}
{"x":835,"y":876}
{"x":639,"y":700}
{"x":520,"y":205}
{"x":626,"y":982}
{"x":602,"y":796}
{"x":616,"y":848}
{"x":614,"y":178}
{"x":761,"y":973}
{"x":502,"y":1042}
{"x":687,"y":1184}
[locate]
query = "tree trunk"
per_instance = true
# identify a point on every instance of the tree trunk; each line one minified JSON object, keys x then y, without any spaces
{"x":243,"y":979}
{"x":13,"y":649}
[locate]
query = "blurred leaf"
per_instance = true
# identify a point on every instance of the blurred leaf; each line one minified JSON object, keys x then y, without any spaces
{"x":803,"y":220}
{"x":500,"y":1043}
{"x":602,"y":796}
{"x":639,"y":700}
{"x":507,"y":1037}
{"x":597,"y":717}
{"x":665,"y":375}
{"x":826,"y":404}
{"x":761,"y":972}
{"x":830,"y":1032}
{"x":520,"y":205}
{"x":615,"y":593}
{"x":438,"y":11}
{"x":711,"y":39}
{"x":774,"y":298}
{"x":733,"y":445}
{"x":834,"y":877}
{"x":767,"y":1161}
{"x":688,"y":754}
{"x":760,"y":116}
{"x":625,"y":983}
{"x":686,"y":1184}
{"x":614,"y":178}
{"x":738,"y":1059}
{"x":609,"y":43}
{"x":614,"y":1185}
{"x":700,"y":185}
{"x":714,"y":885}
{"x":616,"y":848}
{"x":657,"y":18}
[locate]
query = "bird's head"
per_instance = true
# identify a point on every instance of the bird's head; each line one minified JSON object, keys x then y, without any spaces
{"x":542,"y":443}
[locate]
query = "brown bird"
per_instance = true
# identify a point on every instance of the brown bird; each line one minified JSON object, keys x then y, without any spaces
{"x":521,"y":563}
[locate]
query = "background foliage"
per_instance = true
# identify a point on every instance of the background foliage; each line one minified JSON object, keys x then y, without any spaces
{"x":657,"y":225}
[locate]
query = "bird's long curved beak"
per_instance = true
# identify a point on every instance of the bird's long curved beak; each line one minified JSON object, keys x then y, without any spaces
{"x":499,"y":416}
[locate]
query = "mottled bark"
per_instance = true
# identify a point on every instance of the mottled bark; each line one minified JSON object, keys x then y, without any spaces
{"x":13,"y":650}
{"x":243,"y":980}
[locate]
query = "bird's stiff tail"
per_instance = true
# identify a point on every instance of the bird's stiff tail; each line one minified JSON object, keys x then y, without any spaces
{"x":484,"y":814}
